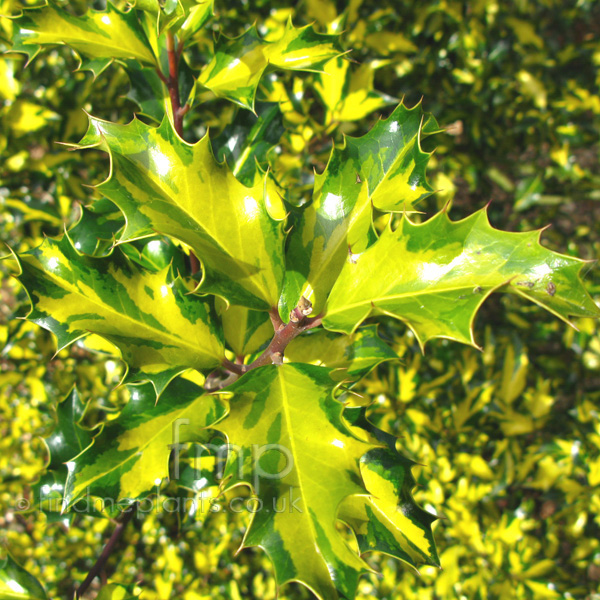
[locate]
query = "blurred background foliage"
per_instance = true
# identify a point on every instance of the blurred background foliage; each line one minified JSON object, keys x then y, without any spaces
{"x":508,"y":438}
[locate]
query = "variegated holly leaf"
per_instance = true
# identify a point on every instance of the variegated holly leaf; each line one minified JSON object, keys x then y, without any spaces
{"x":185,"y":17}
{"x":158,"y":326}
{"x":156,"y":254}
{"x":349,"y":95}
{"x":98,"y":35}
{"x":67,"y":440}
{"x":196,"y":474}
{"x":196,"y":13}
{"x":238,"y":64}
{"x":95,"y":232}
{"x":162,"y":184}
{"x":16,"y":583}
{"x":147,"y":90}
{"x":353,"y":355}
{"x":388,"y":520}
{"x":151,"y":6}
{"x":130,"y":457}
{"x":434,"y":276}
{"x":246,"y":142}
{"x":245,"y":330}
{"x":291,"y":446}
{"x":386,"y":169}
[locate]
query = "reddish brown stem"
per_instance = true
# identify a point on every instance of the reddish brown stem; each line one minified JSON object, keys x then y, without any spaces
{"x":274,"y":353}
{"x":276,"y":319}
{"x":164,"y":79}
{"x":194,"y":263}
{"x":284,"y":334}
{"x":173,"y":82}
{"x":234,"y":367}
{"x":98,"y":568}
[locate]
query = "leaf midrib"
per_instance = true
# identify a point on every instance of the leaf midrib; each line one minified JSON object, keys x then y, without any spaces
{"x":179,"y":341}
{"x":252,"y":283}
{"x":492,"y":286}
{"x":358,"y":210}
{"x":140,"y":449}
{"x":72,"y":39}
{"x":288,"y":421}
{"x":346,"y":307}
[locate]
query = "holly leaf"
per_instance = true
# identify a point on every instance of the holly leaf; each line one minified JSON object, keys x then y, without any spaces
{"x":245,"y":330}
{"x":107,"y":34}
{"x":150,"y":6}
{"x":131,"y":454}
{"x":162,"y":184}
{"x":291,"y":446}
{"x":384,"y":169}
{"x":196,"y":14}
{"x":95,"y":232}
{"x":388,"y":519}
{"x":67,"y":440}
{"x":185,"y":17}
{"x":155,"y":254}
{"x":197,"y":485}
{"x":349,"y":95}
{"x":434,"y":276}
{"x":147,"y":90}
{"x":96,"y":66}
{"x":158,"y":326}
{"x":354,"y":355}
{"x":245,"y":143}
{"x":238,"y":64}
{"x":18,"y":584}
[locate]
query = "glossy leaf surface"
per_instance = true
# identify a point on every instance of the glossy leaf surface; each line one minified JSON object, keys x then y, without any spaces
{"x":354,"y":355}
{"x":18,"y":584}
{"x":196,"y":14}
{"x":156,"y":254}
{"x":435,"y":276}
{"x":132,"y":452}
{"x":388,"y":520}
{"x":385,"y":168}
{"x":105,"y":34}
{"x":311,"y":465}
{"x":95,"y":232}
{"x":347,"y":95}
{"x":238,"y":64}
{"x":246,"y":142}
{"x":147,"y":90}
{"x":159,"y":327}
{"x":67,"y":440}
{"x":162,"y":184}
{"x":245,"y":330}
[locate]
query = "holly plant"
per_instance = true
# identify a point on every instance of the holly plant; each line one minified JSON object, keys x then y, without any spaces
{"x":244,"y":297}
